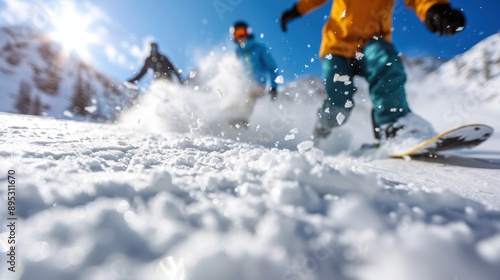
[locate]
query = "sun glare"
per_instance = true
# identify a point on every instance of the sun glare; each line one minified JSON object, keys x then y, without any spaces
{"x":72,"y":30}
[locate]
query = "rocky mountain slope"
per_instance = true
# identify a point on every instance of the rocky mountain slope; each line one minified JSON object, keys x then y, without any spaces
{"x":39,"y":78}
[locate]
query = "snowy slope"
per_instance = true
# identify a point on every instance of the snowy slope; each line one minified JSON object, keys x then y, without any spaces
{"x":39,"y":78}
{"x":109,"y":202}
{"x":172,"y":192}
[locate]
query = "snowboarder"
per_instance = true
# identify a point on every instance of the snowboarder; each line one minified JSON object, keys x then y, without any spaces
{"x":357,"y":41}
{"x":259,"y":65}
{"x":163,"y":68}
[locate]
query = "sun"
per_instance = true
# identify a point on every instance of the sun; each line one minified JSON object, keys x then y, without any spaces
{"x":72,"y":30}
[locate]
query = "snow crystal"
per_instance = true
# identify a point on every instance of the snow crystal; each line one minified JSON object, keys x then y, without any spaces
{"x":192,"y":74}
{"x":289,"y":137}
{"x":348,"y":104}
{"x":340,"y":118}
{"x":279,"y":79}
{"x":343,"y":14}
{"x":91,"y":109}
{"x":359,"y":55}
{"x":342,"y":78}
{"x":305,"y":146}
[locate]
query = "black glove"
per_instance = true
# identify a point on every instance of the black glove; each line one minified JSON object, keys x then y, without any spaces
{"x":289,"y":15}
{"x":444,"y":20}
{"x":274,"y":93}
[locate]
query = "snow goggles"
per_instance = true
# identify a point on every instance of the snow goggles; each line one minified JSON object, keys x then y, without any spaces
{"x":154,"y":49}
{"x":240,"y":32}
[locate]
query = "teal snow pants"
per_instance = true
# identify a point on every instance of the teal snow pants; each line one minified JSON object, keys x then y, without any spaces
{"x":384,"y":71}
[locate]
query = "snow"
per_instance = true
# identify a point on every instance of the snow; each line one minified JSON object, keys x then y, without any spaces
{"x":172,"y":192}
{"x":342,"y":78}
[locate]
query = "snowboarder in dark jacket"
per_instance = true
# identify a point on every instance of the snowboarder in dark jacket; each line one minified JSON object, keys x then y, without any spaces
{"x":161,"y":65}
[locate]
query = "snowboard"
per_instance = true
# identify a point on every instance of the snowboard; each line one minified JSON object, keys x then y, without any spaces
{"x":462,"y":137}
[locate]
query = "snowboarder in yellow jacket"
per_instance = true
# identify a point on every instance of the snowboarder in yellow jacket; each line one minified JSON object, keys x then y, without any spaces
{"x":357,"y":41}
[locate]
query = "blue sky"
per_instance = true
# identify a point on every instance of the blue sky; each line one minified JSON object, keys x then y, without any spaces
{"x":113,"y":35}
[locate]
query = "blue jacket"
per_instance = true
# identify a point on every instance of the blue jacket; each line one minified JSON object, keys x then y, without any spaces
{"x":258,"y":62}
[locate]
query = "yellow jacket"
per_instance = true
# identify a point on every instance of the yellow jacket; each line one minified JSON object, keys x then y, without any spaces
{"x":353,"y":23}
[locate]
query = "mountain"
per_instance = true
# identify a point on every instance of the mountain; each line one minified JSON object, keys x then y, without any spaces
{"x":417,"y":68}
{"x":466,"y":88}
{"x":39,"y":78}
{"x":480,"y":64}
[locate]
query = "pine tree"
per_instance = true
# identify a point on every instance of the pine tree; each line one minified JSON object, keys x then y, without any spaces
{"x":37,"y":107}
{"x":23,"y":103}
{"x":486,"y":66}
{"x":81,"y":97}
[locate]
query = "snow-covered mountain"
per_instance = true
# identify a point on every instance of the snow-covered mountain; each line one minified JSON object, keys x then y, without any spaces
{"x":479,"y":66}
{"x":39,"y":78}
{"x":462,"y":90}
{"x":417,"y":68}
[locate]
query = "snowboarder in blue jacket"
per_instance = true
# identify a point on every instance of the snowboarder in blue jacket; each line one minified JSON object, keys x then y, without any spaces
{"x":259,"y":65}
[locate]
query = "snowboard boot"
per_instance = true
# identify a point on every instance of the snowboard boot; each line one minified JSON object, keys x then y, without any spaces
{"x":410,"y":125}
{"x":384,"y":132}
{"x":408,"y":131}
{"x":388,"y":131}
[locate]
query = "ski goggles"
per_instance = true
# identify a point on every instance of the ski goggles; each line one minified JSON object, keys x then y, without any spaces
{"x":241,"y":32}
{"x":154,"y":49}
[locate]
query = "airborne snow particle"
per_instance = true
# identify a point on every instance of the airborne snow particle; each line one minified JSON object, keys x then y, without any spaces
{"x":342,"y":78}
{"x":359,"y":55}
{"x":279,"y":79}
{"x":340,"y":118}
{"x":348,"y":104}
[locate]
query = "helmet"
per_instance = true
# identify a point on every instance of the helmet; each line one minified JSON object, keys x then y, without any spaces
{"x":154,"y":47}
{"x":240,"y":29}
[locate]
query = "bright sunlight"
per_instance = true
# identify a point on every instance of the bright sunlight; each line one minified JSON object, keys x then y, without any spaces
{"x":72,"y":30}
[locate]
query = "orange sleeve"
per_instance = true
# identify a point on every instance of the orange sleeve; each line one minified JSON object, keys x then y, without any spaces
{"x":422,"y":6}
{"x":306,"y":6}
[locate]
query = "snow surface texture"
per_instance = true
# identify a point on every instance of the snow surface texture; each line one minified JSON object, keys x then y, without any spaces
{"x":149,"y":199}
